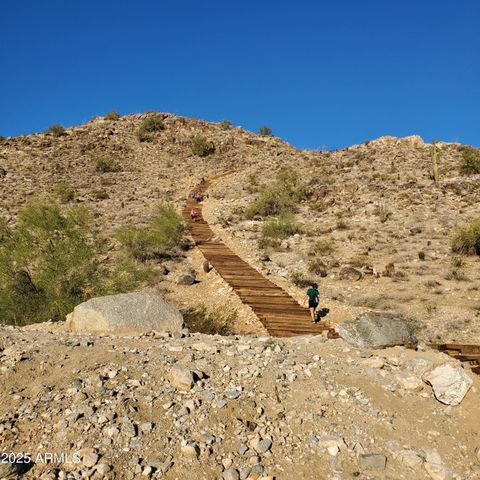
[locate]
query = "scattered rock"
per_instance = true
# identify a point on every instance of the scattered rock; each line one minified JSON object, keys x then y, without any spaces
{"x":181,"y":378}
{"x":350,"y":273}
{"x":372,"y":461}
{"x":450,"y":383}
{"x":261,"y":445}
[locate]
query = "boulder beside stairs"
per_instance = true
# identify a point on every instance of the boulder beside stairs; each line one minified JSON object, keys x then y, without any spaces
{"x":125,"y":314}
{"x":378,"y":330}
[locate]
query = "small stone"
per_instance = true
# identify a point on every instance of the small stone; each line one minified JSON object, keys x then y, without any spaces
{"x":88,"y":456}
{"x":146,"y":427}
{"x":147,"y":471}
{"x":233,"y":394}
{"x":372,"y":461}
{"x":181,"y":378}
{"x":244,"y":472}
{"x":103,"y":468}
{"x":231,"y":474}
{"x":328,"y":441}
{"x":410,"y":459}
{"x":333,"y":450}
{"x":128,"y":428}
{"x":190,"y":450}
{"x":261,"y":445}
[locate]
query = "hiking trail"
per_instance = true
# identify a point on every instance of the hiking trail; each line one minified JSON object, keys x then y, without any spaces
{"x":280,"y":313}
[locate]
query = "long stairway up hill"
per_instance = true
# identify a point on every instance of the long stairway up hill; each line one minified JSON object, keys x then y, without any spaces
{"x":281,"y":314}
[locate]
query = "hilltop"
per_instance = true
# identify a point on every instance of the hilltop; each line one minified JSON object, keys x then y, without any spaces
{"x":372,"y":224}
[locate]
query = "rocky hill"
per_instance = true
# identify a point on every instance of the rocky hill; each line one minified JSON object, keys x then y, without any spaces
{"x":373,"y":207}
{"x":370,"y":223}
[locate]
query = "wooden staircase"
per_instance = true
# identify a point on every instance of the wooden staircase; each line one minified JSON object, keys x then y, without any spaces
{"x":281,"y":314}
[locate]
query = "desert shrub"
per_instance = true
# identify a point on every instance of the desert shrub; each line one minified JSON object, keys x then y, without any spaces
{"x":64,"y":192}
{"x":201,"y":146}
{"x":113,"y":115}
{"x":55,"y":130}
{"x":281,"y":227}
{"x":325,"y":246}
{"x":359,"y":261}
{"x":101,"y":194}
{"x":300,"y":280}
{"x":266,"y":243}
{"x":149,"y":126}
{"x":457,"y":261}
{"x":144,"y":136}
{"x":466,"y":239}
{"x":382,"y":212}
{"x":318,"y":205}
{"x":342,"y":224}
{"x":163,"y":234}
{"x":49,"y":263}
{"x":214,"y":322}
{"x":470,"y":161}
{"x":105,"y":165}
{"x":317,"y":267}
{"x":152,"y":124}
{"x":279,"y":197}
{"x":265,"y":131}
{"x":226,"y":125}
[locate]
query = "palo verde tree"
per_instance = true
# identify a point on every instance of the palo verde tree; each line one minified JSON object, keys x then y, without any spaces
{"x":49,"y":263}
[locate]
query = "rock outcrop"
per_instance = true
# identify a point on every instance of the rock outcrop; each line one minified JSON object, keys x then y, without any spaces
{"x":130,"y":313}
{"x":378,"y":330}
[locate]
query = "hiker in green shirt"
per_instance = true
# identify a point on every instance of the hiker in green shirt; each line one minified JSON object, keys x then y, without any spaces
{"x":313,"y":300}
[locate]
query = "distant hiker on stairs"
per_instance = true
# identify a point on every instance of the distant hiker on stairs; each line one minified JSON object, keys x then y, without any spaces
{"x":313,"y":300}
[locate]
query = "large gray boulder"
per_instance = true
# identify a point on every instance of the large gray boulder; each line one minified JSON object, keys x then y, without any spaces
{"x":378,"y":330}
{"x":125,"y":314}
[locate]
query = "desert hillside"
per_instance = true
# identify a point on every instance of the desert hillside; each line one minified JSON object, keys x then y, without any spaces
{"x":389,"y":229}
{"x":373,"y":207}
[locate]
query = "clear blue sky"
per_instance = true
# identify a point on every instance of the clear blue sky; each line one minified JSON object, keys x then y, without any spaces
{"x":319,"y":73}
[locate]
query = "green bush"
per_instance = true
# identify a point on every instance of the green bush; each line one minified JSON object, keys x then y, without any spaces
{"x":215,"y":322}
{"x":470,"y":161}
{"x":300,"y":280}
{"x":64,"y":192}
{"x":49,"y":263}
{"x":201,"y":146}
{"x":323,"y":247}
{"x":113,"y":115}
{"x":317,"y":267}
{"x":163,"y":234}
{"x":56,"y":130}
{"x":265,"y":131}
{"x":105,"y":165}
{"x":152,"y":124}
{"x":149,"y":127}
{"x":281,"y":227}
{"x":281,"y":196}
{"x":226,"y":125}
{"x":101,"y":194}
{"x":144,"y":136}
{"x":466,"y":239}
